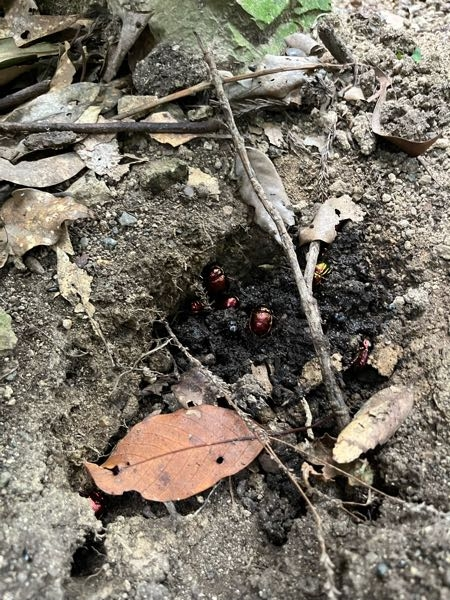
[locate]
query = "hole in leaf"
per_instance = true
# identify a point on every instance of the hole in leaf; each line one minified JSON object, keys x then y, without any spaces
{"x":338,"y":212}
{"x":25,"y":34}
{"x":219,"y":460}
{"x":115,"y":470}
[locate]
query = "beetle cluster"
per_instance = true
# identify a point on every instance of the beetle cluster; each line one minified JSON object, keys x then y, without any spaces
{"x":217,"y":285}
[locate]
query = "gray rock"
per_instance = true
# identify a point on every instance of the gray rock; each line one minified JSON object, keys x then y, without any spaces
{"x":167,"y":68}
{"x":109,"y":243}
{"x":199,"y":113}
{"x":127,"y":220}
{"x":158,"y":175}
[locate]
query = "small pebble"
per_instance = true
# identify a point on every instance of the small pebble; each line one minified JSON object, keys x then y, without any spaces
{"x":218,"y":165}
{"x":83,"y":243}
{"x":5,"y":476}
{"x":382,"y":569}
{"x":109,"y":243}
{"x":188,"y":191}
{"x":127,"y":220}
{"x":67,"y":324}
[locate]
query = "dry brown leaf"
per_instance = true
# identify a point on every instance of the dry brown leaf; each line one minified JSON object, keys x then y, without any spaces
{"x":175,"y":456}
{"x":332,"y":212}
{"x":273,"y":186}
{"x":411,"y":147}
{"x":64,"y":71}
{"x":194,"y":389}
{"x":42,"y":173}
{"x":34,"y":218}
{"x":376,"y":421}
{"x":174,"y":139}
{"x":199,"y":179}
{"x":74,"y":283}
{"x":320,"y":452}
{"x":274,"y":134}
{"x":25,"y":26}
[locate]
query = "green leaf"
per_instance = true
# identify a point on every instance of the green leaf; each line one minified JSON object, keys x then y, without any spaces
{"x":417,"y":55}
{"x":264,"y":11}
{"x":11,"y":55}
{"x":307,"y":11}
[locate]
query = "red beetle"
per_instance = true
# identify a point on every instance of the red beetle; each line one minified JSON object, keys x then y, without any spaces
{"x":360,"y":359}
{"x":196,"y":306}
{"x":227,"y":302}
{"x":216,"y":282}
{"x":261,"y":320}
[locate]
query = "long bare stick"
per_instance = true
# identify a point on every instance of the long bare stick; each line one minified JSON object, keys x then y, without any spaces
{"x":308,"y":302}
{"x":112,"y":127}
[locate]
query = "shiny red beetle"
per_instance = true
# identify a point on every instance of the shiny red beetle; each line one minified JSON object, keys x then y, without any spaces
{"x":360,"y":359}
{"x":227,"y":302}
{"x":261,"y":320}
{"x":216,"y":282}
{"x":196,"y":306}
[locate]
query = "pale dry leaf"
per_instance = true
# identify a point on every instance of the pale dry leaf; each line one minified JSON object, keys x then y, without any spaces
{"x":174,"y":139}
{"x":34,"y":218}
{"x":274,"y":134}
{"x":376,"y":421}
{"x":320,"y":452}
{"x":275,"y":85}
{"x":26,"y":26}
{"x":101,"y":154}
{"x":175,"y":456}
{"x":271,"y":182}
{"x":65,"y":71}
{"x":64,"y":105}
{"x":74,"y":283}
{"x":261,"y":374}
{"x":8,"y":338}
{"x":354,"y":93}
{"x":43,"y":172}
{"x":195,"y":388}
{"x":332,"y":212}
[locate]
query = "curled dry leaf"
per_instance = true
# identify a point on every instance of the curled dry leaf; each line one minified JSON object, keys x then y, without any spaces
{"x":174,"y":456}
{"x":376,"y":421}
{"x":44,"y":172}
{"x":320,"y":452}
{"x":332,"y":212}
{"x":304,"y":42}
{"x":411,"y":147}
{"x":273,"y":186}
{"x":64,"y":71}
{"x":35,"y":218}
{"x":276,"y":85}
{"x":25,"y":26}
{"x":174,"y":139}
{"x":195,"y":388}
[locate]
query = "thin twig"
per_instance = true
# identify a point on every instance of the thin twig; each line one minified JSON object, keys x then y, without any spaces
{"x":308,"y":302}
{"x":204,"y":85}
{"x":113,"y":127}
{"x":17,"y":98}
{"x":311,"y":262}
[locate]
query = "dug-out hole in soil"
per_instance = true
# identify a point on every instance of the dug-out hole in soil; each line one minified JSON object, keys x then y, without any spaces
{"x":354,"y":304}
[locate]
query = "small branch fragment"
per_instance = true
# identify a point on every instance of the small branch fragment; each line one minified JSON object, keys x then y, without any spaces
{"x":333,"y":42}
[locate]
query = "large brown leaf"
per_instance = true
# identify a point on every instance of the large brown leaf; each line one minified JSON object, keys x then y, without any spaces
{"x":375,"y":422}
{"x":174,"y":456}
